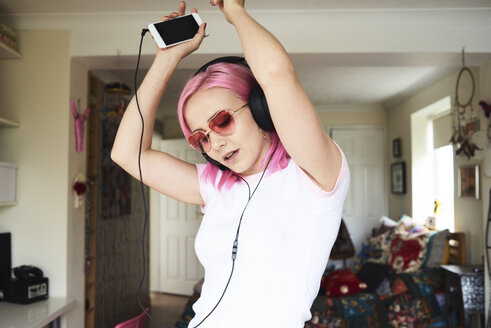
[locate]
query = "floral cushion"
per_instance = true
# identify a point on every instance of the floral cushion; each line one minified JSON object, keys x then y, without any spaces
{"x":380,"y":248}
{"x":407,"y":251}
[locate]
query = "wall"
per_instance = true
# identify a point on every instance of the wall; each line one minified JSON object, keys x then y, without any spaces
{"x":34,"y":91}
{"x":468,"y":212}
{"x":485,"y":94}
{"x":76,"y":217}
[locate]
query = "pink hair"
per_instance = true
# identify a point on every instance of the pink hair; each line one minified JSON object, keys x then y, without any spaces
{"x":240,"y":80}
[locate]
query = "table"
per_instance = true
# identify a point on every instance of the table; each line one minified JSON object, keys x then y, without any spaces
{"x":36,"y":315}
{"x":464,"y":293}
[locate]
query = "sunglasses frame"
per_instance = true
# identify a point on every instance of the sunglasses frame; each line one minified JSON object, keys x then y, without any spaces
{"x":207,"y":132}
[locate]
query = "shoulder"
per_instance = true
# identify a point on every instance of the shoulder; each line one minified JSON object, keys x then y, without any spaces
{"x":314,"y":192}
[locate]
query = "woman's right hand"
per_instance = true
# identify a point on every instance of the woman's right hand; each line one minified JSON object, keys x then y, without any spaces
{"x":183,"y":49}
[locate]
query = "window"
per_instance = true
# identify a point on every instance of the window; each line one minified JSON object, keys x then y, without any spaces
{"x":432,"y":164}
{"x":444,"y":186}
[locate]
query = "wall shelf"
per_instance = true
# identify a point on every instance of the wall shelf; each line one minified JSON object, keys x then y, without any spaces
{"x":5,"y":123}
{"x":8,"y":204}
{"x":8,"y":53}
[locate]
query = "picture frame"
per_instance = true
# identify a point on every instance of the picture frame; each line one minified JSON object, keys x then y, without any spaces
{"x":396,"y":148}
{"x":468,"y":181}
{"x":398,"y":178}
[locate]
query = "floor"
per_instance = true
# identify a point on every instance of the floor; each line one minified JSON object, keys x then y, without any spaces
{"x":166,"y":308}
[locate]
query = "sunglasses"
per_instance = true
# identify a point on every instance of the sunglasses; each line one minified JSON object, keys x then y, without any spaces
{"x":222,"y":123}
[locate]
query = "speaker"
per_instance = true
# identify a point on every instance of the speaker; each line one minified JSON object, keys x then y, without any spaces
{"x":5,"y":258}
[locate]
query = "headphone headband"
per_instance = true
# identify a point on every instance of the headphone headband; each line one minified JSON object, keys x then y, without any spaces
{"x":225,"y":59}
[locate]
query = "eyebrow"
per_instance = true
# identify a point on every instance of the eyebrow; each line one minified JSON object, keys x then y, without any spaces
{"x":208,"y":121}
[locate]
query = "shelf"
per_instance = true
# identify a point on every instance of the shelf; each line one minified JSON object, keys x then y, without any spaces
{"x":8,"y":123}
{"x":8,"y":53}
{"x":8,"y":204}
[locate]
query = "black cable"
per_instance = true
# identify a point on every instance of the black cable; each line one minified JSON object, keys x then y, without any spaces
{"x":144,"y":31}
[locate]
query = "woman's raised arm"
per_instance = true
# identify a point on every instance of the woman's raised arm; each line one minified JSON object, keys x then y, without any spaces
{"x":161,"y":171}
{"x":294,"y":116}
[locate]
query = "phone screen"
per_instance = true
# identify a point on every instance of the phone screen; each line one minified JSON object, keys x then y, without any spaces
{"x":177,"y":30}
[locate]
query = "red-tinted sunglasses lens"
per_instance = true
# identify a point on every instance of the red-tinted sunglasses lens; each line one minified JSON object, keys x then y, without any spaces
{"x":222,"y":123}
{"x":199,"y":141}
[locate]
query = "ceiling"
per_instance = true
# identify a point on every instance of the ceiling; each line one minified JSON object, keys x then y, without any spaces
{"x":93,"y":6}
{"x":335,"y":81}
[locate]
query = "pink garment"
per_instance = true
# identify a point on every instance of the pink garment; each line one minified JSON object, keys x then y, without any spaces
{"x":79,"y":125}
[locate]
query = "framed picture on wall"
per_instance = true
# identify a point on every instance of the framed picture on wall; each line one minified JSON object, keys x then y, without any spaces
{"x":396,"y":148}
{"x":468,"y":181}
{"x":398,"y":178}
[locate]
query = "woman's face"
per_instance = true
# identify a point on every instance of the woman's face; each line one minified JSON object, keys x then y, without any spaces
{"x":249,"y":145}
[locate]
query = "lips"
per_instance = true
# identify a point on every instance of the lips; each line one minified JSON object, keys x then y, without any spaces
{"x":230,"y":155}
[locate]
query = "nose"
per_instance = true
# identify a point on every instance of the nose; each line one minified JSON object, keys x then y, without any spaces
{"x":217,"y":141}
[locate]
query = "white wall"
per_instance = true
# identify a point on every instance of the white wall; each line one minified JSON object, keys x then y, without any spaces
{"x":76,"y":217}
{"x":485,"y":94}
{"x":34,"y":91}
{"x":468,"y":212}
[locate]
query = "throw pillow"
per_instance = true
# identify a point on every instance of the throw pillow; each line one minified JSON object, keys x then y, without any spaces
{"x":380,"y":248}
{"x":398,"y":287}
{"x":373,"y":274}
{"x":407,"y":251}
{"x":342,"y":283}
{"x":436,"y":247}
{"x":386,"y":224}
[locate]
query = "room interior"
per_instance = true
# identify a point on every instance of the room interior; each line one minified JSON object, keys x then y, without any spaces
{"x":367,"y":66}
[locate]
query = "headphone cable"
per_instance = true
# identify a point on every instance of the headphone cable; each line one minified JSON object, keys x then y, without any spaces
{"x":144,"y":31}
{"x":236,"y":241}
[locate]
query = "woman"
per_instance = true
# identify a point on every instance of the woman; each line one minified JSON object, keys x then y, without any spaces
{"x":275,"y":204}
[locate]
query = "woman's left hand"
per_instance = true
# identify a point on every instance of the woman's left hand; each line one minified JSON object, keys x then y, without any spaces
{"x":229,"y":7}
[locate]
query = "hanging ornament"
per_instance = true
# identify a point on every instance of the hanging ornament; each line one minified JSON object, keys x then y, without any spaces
{"x":465,"y":120}
{"x":79,"y":189}
{"x":79,"y":124}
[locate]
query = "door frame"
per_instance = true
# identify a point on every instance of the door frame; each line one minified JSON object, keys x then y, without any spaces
{"x":330,"y":128}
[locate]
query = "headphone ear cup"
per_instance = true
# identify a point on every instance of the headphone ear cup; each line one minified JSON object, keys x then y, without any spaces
{"x":259,"y":109}
{"x":216,"y":163}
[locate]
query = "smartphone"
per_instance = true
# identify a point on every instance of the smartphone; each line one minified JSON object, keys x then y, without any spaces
{"x":175,"y":31}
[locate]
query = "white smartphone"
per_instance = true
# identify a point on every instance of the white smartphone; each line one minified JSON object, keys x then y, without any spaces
{"x":175,"y":31}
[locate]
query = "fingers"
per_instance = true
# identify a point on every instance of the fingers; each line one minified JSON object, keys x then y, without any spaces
{"x":182,"y":8}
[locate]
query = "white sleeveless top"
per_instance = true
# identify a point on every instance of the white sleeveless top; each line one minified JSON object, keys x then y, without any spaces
{"x":285,"y":239}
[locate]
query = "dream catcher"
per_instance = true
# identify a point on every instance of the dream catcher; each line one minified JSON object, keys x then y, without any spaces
{"x":465,"y":122}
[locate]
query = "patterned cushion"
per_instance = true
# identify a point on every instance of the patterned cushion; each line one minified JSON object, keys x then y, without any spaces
{"x":342,"y":283}
{"x":407,"y":251}
{"x":386,"y":224}
{"x":380,"y":248}
{"x":435,"y":249}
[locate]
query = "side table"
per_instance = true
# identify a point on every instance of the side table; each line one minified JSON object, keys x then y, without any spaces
{"x":464,"y":294}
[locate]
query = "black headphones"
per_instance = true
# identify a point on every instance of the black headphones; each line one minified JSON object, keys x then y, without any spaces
{"x":257,"y":101}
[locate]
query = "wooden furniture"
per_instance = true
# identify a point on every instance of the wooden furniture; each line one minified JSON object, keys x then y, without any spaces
{"x":36,"y":315}
{"x":456,"y":247}
{"x":464,"y":295}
